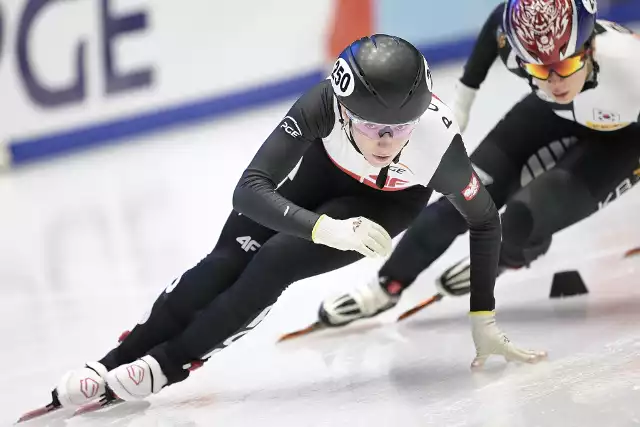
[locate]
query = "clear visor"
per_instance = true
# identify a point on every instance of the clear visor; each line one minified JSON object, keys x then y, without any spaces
{"x":374,"y":130}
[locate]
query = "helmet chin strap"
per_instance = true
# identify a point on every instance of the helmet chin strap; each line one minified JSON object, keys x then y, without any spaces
{"x":592,"y":78}
{"x":349,"y":133}
{"x":381,"y":180}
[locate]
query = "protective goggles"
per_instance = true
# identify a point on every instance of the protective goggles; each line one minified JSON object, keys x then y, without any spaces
{"x":564,"y":68}
{"x":377,"y":130}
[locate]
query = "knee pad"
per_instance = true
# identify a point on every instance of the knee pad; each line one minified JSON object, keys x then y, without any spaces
{"x":517,"y":256}
{"x":519,"y":245}
{"x":550,"y":203}
{"x":517,"y":223}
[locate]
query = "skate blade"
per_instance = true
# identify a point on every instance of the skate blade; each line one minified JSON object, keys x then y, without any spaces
{"x":95,"y":406}
{"x":301,"y":332}
{"x":38,"y":413}
{"x":632,"y":252}
{"x":424,"y":304}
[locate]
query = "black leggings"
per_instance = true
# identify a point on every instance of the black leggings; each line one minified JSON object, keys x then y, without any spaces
{"x":215,"y":302}
{"x":549,"y":172}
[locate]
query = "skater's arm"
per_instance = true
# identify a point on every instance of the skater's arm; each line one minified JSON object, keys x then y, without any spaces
{"x":485,"y":51}
{"x":484,"y":54}
{"x":256,"y":196}
{"x":456,"y":179}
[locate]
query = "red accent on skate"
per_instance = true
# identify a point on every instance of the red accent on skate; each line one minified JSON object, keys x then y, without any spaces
{"x":89,"y":407}
{"x":89,"y":387}
{"x":632,"y":252}
{"x":394,"y":287}
{"x":136,"y":373}
{"x":123,"y":336}
{"x":195,"y":365}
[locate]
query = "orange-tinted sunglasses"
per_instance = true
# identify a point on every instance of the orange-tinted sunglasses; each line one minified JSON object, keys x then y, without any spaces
{"x":564,"y":68}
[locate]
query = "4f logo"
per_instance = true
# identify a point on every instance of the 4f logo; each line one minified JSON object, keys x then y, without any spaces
{"x":248,"y":244}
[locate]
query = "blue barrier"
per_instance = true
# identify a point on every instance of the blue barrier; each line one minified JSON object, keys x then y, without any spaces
{"x":27,"y":150}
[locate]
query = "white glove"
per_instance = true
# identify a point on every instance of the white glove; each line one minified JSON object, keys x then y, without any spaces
{"x":489,"y":340}
{"x":462,"y":101}
{"x":354,"y":234}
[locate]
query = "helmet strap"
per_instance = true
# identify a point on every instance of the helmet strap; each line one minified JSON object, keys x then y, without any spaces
{"x":348,"y":132}
{"x":592,"y":78}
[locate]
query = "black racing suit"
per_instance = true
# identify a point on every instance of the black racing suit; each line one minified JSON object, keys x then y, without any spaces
{"x":266,"y":243}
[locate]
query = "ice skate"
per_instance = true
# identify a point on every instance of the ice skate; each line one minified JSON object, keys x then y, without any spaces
{"x":454,"y":282}
{"x":81,"y":386}
{"x":137,"y":380}
{"x":76,"y":389}
{"x":364,"y":301}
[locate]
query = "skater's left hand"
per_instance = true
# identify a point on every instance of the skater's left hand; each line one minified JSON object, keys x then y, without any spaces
{"x":490,"y":340}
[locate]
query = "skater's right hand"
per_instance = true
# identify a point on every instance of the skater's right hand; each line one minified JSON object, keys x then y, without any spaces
{"x":490,"y":340}
{"x":354,"y":234}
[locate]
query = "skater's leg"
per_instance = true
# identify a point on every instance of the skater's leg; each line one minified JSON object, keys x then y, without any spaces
{"x":591,"y":176}
{"x":281,"y":261}
{"x":186,"y":295}
{"x":239,"y":241}
{"x":515,"y":151}
{"x":517,"y":143}
{"x":173,"y":309}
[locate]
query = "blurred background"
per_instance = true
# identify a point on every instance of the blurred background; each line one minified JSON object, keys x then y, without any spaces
{"x":125,"y":125}
{"x":78,"y":74}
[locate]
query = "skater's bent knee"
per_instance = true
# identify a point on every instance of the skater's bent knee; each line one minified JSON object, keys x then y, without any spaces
{"x":550,"y":203}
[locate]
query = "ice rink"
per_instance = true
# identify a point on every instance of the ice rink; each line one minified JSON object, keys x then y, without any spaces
{"x":89,"y":240}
